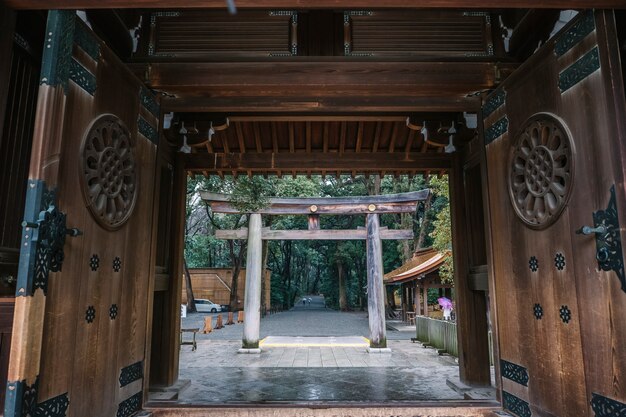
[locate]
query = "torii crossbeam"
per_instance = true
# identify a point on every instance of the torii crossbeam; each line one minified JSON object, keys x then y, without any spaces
{"x":372,"y":206}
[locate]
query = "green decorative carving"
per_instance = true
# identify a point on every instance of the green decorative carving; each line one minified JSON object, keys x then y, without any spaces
{"x":496,"y":130}
{"x":514,"y":372}
{"x":149,"y":102}
{"x":21,"y":401}
{"x":494,"y":102}
{"x":516,"y":405}
{"x":147,"y":130}
{"x":81,"y":76}
{"x":579,"y":70}
{"x":576,"y":33}
{"x":130,"y":406}
{"x":87,"y":41}
{"x":57,"y":53}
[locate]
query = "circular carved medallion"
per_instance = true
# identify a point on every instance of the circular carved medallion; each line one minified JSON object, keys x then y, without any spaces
{"x":109,"y":177}
{"x":541,"y":170}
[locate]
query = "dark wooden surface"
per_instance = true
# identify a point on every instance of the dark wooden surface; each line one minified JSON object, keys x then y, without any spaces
{"x":338,"y":84}
{"x":560,"y":356}
{"x":309,"y":4}
{"x":19,"y":72}
{"x":470,"y":304}
{"x":320,"y":163}
{"x":80,"y":358}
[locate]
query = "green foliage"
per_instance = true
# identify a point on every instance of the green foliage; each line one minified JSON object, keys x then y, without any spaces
{"x":251,"y":194}
{"x":309,"y":267}
{"x":442,"y":232}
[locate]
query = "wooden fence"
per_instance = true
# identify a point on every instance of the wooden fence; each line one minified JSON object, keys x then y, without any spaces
{"x":441,"y":334}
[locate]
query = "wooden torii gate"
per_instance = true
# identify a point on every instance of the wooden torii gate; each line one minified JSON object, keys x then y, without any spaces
{"x":372,"y":206}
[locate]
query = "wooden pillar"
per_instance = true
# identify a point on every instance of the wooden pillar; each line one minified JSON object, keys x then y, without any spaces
{"x":471,"y":307}
{"x":425,"y":299}
{"x":418,"y":300}
{"x":252,"y":300}
{"x":375,"y":288}
{"x":416,"y":297}
{"x":170,"y":336}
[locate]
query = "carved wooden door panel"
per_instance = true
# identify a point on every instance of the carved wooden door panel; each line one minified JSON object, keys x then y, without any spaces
{"x":554,"y":135}
{"x":82,"y":302}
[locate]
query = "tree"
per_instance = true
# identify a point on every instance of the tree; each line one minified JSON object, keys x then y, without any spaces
{"x":306,"y":267}
{"x":442,"y":232}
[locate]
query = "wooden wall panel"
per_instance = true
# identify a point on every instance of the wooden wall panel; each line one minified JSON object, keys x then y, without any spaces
{"x":206,"y":284}
{"x":99,"y":348}
{"x":418,"y":33}
{"x":569,"y":357}
{"x":218,"y":34}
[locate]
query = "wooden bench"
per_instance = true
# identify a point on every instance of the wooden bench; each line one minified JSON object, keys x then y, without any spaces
{"x":192,"y":343}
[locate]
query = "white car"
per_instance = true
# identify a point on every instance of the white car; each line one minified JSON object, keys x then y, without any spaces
{"x":205,"y":305}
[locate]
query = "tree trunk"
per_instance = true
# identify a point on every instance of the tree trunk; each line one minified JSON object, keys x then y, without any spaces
{"x":425,"y":222}
{"x":264,"y":300}
{"x":191,"y":301}
{"x":236,"y":259}
{"x":343,"y":304}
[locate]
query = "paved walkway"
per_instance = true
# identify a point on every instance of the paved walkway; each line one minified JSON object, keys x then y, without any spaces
{"x":302,"y":320}
{"x":297,"y":370}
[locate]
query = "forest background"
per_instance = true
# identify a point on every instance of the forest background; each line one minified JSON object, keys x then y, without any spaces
{"x":336,"y":269}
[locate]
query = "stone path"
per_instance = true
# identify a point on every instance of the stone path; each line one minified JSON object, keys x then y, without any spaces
{"x":302,"y":320}
{"x":297,"y":371}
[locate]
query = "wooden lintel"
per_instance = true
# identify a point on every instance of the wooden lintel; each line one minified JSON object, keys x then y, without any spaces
{"x":390,"y":203}
{"x":352,"y":103}
{"x":312,"y":4}
{"x":331,"y":161}
{"x":331,"y":209}
{"x":353,"y":234}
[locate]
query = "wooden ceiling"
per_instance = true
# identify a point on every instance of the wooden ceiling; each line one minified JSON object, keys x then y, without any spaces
{"x":320,"y":61}
{"x":319,"y":87}
{"x":320,"y":147}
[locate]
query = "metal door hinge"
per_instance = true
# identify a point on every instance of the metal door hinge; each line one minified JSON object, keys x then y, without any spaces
{"x":608,"y":240}
{"x":43,"y":238}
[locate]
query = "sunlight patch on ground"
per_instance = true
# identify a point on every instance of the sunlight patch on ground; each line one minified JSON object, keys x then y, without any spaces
{"x":314,"y":341}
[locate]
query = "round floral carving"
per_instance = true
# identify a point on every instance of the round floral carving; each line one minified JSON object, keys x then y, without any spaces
{"x":109,"y":172}
{"x":541,"y":170}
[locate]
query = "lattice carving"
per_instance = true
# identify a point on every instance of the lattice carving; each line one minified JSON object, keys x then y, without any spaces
{"x":131,"y":373}
{"x":607,"y":407}
{"x":541,"y":171}
{"x":516,"y":405}
{"x":514,"y":372}
{"x":130,"y":406}
{"x":109,"y":172}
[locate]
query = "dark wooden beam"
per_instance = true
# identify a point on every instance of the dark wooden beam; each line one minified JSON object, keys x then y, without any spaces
{"x":317,"y":118}
{"x":314,"y":4}
{"x":331,"y":161}
{"x":391,"y":203}
{"x":390,"y":105}
{"x":336,"y":77}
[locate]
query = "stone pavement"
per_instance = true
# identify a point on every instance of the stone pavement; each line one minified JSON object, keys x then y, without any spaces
{"x":297,"y":370}
{"x":302,"y":320}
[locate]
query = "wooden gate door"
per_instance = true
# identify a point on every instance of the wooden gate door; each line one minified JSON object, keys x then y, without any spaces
{"x":554,"y":134}
{"x":82,"y":299}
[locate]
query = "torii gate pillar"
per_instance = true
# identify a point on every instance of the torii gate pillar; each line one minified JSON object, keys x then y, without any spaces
{"x":252,"y":297}
{"x":375,"y":286}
